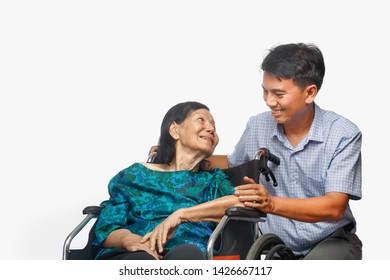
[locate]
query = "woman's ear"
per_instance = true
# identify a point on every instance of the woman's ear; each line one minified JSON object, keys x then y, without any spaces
{"x":173,"y":131}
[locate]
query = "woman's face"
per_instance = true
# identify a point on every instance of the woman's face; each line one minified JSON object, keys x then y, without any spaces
{"x":197,"y":133}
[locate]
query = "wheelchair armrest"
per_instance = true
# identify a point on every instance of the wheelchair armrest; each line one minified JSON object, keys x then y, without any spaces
{"x":245,"y":212}
{"x":95,"y":210}
{"x":91,"y":212}
{"x":235,"y":220}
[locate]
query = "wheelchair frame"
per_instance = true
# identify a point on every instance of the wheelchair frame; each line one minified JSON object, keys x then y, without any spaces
{"x":237,"y":221}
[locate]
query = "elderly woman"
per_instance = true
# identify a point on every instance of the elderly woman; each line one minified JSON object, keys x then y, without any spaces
{"x":167,"y":209}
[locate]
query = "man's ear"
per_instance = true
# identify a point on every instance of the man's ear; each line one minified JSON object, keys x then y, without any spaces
{"x":311,"y":93}
{"x":173,"y":131}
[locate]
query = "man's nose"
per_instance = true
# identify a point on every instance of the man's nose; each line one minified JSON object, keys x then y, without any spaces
{"x":270,"y":100}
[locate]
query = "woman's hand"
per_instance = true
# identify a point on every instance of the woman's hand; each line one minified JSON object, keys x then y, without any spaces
{"x":125,"y":239}
{"x":135,"y":243}
{"x":163,"y":232}
{"x":254,"y":195}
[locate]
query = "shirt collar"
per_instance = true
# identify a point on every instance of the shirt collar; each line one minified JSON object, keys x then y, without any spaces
{"x":315,"y":132}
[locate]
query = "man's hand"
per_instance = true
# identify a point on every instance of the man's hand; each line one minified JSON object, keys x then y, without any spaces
{"x":254,"y":195}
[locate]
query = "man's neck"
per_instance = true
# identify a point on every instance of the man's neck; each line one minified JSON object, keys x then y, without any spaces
{"x":297,"y":131}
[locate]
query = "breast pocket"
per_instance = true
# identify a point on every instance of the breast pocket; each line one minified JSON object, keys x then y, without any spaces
{"x":312,"y":187}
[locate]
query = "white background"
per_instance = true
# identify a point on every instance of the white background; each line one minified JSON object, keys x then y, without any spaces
{"x":84,"y":86}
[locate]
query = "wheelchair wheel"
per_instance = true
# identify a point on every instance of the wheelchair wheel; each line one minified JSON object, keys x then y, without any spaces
{"x":266,"y":246}
{"x":280,"y":252}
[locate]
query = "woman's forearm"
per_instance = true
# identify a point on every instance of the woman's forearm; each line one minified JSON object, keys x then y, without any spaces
{"x":211,"y":211}
{"x":120,"y":237}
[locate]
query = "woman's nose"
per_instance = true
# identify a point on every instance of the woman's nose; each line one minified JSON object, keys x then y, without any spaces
{"x":210,"y":127}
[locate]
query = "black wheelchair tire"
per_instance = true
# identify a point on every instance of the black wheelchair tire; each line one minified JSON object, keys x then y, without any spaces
{"x":280,"y":252}
{"x":263,"y":245}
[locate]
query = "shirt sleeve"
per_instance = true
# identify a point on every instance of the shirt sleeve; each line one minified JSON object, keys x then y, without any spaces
{"x":345,"y":172}
{"x":239,"y":154}
{"x":223,"y":184}
{"x":114,"y":214}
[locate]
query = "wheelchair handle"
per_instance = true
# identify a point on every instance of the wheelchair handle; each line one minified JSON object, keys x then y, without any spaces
{"x":151,"y":157}
{"x":263,"y":152}
{"x":264,"y":155}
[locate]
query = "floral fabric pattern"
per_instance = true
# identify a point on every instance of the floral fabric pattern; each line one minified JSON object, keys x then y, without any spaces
{"x":141,"y":198}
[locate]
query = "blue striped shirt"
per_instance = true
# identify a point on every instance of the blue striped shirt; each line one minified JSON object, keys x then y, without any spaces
{"x":327,"y":160}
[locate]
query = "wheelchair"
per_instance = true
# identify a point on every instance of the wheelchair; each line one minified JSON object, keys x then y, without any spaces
{"x":236,"y":236}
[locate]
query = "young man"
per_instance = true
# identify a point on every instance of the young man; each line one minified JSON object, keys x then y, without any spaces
{"x":320,"y":153}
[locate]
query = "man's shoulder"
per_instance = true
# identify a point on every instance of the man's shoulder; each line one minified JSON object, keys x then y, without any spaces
{"x":338,"y":122}
{"x":262,"y":117}
{"x":262,"y":122}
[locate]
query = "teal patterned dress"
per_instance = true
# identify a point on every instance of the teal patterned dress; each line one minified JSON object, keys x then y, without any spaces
{"x":141,"y":198}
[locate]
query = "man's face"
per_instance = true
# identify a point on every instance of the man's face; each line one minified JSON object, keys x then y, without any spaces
{"x":288,"y":102}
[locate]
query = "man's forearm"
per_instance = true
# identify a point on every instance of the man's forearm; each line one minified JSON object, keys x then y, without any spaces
{"x":218,"y":161}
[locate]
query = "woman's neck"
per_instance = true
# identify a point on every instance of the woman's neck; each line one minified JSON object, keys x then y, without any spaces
{"x":178,"y":164}
{"x":174,"y":165}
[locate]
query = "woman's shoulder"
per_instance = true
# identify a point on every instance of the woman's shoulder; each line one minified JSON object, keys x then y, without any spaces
{"x":153,"y":166}
{"x":144,"y":166}
{"x":131,"y":171}
{"x":218,"y":173}
{"x":131,"y":168}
